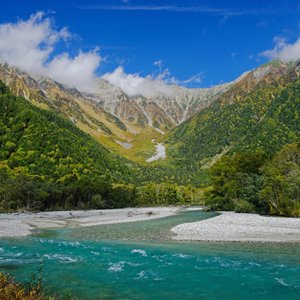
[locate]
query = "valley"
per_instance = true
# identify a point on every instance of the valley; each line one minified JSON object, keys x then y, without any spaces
{"x":149,"y":150}
{"x":154,"y":150}
{"x":111,"y":116}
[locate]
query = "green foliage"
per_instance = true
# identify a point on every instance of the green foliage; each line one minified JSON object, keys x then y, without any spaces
{"x":243,"y":206}
{"x":249,"y":183}
{"x":46,"y":162}
{"x":116,"y":121}
{"x":3,"y":88}
{"x":121,"y":195}
{"x":265,"y":118}
{"x":168,"y":194}
{"x":236,"y":183}
{"x":101,"y":125}
{"x":281,"y":187}
{"x":37,"y":142}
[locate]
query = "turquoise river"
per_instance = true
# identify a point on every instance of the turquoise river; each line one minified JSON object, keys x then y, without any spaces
{"x":140,"y":261}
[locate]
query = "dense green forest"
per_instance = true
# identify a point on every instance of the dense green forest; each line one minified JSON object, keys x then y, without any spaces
{"x":266,"y":118}
{"x":251,"y":182}
{"x":244,"y":148}
{"x":240,"y":155}
{"x":37,"y":142}
{"x":48,"y":163}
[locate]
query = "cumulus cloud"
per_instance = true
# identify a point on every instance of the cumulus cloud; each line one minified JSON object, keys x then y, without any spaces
{"x":159,"y":82}
{"x":30,"y":46}
{"x":134,"y":84}
{"x":284,"y":51}
{"x":78,"y":71}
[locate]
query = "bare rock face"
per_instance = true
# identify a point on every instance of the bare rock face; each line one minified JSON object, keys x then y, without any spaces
{"x":46,"y":93}
{"x":159,"y":111}
{"x":111,"y":104}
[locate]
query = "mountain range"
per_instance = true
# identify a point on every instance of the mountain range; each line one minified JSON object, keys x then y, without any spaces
{"x":260,"y":111}
{"x":197,"y":125}
{"x":124,"y":123}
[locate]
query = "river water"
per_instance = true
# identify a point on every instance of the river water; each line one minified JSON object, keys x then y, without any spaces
{"x":139,"y":261}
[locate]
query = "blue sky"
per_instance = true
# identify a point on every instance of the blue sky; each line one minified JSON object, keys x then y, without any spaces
{"x":210,"y":41}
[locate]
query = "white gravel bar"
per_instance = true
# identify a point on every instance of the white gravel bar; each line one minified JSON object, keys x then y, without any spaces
{"x":238,"y":227}
{"x":22,"y":224}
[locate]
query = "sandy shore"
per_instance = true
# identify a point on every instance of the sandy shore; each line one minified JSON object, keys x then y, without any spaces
{"x":22,"y":224}
{"x":234,"y":227}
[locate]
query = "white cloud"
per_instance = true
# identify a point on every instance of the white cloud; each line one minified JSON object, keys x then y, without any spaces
{"x":158,"y":64}
{"x":78,"y":71}
{"x":30,"y":46}
{"x":284,"y":51}
{"x":197,"y":78}
{"x":134,"y":84}
{"x":227,"y":12}
{"x":157,"y":83}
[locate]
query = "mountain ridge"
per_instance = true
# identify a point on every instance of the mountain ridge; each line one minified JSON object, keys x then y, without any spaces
{"x":250,"y":115}
{"x":111,"y":116}
{"x":128,"y":124}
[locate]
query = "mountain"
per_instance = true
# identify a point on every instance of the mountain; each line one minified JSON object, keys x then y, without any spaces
{"x":51,"y":149}
{"x":197,"y":125}
{"x":67,"y":102}
{"x":123,"y":123}
{"x":37,"y":142}
{"x":260,"y":111}
{"x":159,"y":111}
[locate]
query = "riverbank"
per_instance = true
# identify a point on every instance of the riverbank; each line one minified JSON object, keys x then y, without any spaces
{"x":22,"y":224}
{"x":227,"y":227}
{"x":239,"y":227}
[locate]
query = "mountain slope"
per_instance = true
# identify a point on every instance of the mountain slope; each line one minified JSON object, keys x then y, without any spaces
{"x":180,"y":104}
{"x":125,"y":124}
{"x":85,"y":113}
{"x":260,"y":111}
{"x":201,"y":124}
{"x":70,"y":103}
{"x":37,"y":142}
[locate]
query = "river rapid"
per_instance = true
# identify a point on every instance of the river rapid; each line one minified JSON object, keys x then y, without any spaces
{"x":140,"y":261}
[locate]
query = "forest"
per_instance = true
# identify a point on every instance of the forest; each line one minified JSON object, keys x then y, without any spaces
{"x":47,"y":163}
{"x":266,"y":118}
{"x":252,"y":182}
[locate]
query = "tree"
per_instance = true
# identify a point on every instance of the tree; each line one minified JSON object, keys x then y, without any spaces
{"x":281,"y":185}
{"x":236,"y":182}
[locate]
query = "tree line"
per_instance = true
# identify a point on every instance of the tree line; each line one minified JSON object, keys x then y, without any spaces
{"x":23,"y":192}
{"x":48,"y":163}
{"x":253,"y":182}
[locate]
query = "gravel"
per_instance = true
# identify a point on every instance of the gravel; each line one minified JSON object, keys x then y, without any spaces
{"x":22,"y":224}
{"x":238,"y":227}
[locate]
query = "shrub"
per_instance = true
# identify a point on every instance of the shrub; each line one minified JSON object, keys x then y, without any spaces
{"x":243,"y":206}
{"x":10,"y":290}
